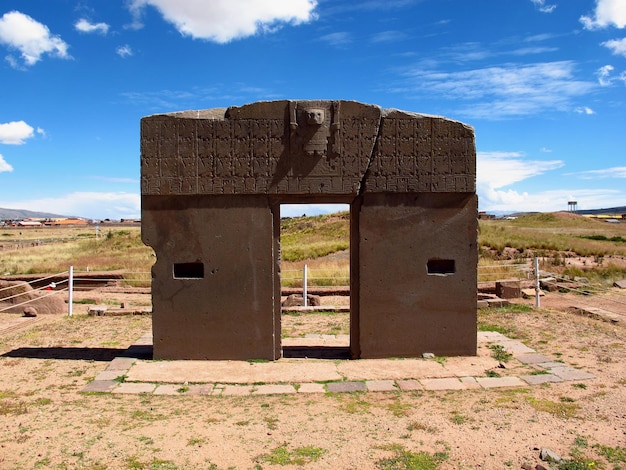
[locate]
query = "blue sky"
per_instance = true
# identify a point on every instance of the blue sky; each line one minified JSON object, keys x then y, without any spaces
{"x":543,"y":82}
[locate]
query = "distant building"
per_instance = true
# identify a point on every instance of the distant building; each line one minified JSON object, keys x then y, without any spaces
{"x":28,"y":223}
{"x":66,"y":222}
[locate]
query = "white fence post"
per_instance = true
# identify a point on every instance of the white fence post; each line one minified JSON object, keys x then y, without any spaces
{"x":70,"y":291}
{"x":304,"y":285}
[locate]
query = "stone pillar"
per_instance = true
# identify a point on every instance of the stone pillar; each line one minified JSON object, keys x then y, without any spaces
{"x":417,"y":273}
{"x":215,"y":291}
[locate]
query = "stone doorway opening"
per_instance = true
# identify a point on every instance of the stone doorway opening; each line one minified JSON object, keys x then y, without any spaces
{"x":315,"y":248}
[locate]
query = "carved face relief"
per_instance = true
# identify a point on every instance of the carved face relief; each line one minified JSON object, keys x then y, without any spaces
{"x":314,"y":116}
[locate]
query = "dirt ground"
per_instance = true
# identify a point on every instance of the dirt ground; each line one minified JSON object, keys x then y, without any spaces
{"x":46,"y":422}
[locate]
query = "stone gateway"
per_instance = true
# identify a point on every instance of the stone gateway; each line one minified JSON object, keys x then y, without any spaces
{"x":212,"y":182}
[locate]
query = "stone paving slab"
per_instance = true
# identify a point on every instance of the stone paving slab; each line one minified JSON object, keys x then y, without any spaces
{"x":167,"y":389}
{"x":273,"y":389}
{"x":448,"y":383}
{"x":469,"y":382}
{"x":200,"y":389}
{"x":409,"y":385}
{"x":110,"y":374}
{"x":290,"y":376}
{"x":551,"y":364}
{"x":121,"y":363}
{"x":312,"y":388}
{"x":515,"y":347}
{"x":134,"y":388}
{"x":490,"y":336}
{"x":532,"y":358}
{"x":569,"y":373}
{"x":380,"y":385}
{"x":498,"y":382}
{"x":237,"y":390}
{"x":100,"y":386}
{"x":343,"y":387}
{"x":540,"y":379}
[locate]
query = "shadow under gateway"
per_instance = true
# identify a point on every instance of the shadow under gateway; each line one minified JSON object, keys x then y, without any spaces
{"x":145,"y":352}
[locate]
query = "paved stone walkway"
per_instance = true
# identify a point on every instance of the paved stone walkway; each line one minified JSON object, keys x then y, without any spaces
{"x":134,"y":373}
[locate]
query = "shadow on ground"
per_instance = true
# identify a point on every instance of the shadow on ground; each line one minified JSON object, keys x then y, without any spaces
{"x":82,"y":354}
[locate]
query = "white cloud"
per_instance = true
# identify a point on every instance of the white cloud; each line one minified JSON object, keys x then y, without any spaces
{"x":15,"y":133}
{"x":337,"y":39}
{"x":541,"y":5}
{"x":225,"y":20}
{"x":607,"y":13}
{"x":4,"y":166}
{"x":388,"y":36}
{"x":547,"y":201}
{"x":603,"y":74}
{"x":617,"y":46}
{"x":93,"y":205}
{"x":545,"y":150}
{"x":585,"y":110}
{"x":31,"y":38}
{"x":499,"y":169}
{"x":615,"y":172}
{"x":124,"y":51}
{"x":502,"y":91}
{"x":606,"y":77}
{"x":85,"y":26}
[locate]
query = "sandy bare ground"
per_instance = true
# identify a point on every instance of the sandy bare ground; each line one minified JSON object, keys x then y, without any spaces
{"x":46,"y":422}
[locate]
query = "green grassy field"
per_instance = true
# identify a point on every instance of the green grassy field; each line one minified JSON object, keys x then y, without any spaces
{"x":322,"y":242}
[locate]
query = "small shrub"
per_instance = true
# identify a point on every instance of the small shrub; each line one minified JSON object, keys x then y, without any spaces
{"x":405,"y":459}
{"x":499,"y":353}
{"x":281,"y":455}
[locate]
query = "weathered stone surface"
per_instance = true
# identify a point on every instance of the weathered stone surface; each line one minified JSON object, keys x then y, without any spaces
{"x":212,"y":183}
{"x":540,"y":379}
{"x":620,"y":284}
{"x":341,"y":387}
{"x":380,"y":385}
{"x":269,"y":148}
{"x":498,"y":382}
{"x":509,"y":289}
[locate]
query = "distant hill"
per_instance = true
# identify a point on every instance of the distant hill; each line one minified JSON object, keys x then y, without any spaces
{"x":610,"y":211}
{"x":17,"y":214}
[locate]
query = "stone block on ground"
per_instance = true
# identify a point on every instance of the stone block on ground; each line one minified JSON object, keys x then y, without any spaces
{"x":509,"y":289}
{"x":620,"y":284}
